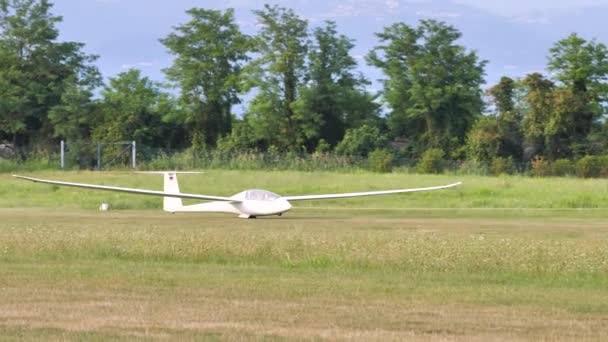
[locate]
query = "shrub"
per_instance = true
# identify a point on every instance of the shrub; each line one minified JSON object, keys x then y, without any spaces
{"x":588,"y":167}
{"x":361,"y":141}
{"x":604,"y":166}
{"x":483,"y":140}
{"x":323,"y":147}
{"x":503,"y":166}
{"x":380,"y":160}
{"x":562,"y":167}
{"x":431,"y":161}
{"x":473,"y":167}
{"x":540,"y":167}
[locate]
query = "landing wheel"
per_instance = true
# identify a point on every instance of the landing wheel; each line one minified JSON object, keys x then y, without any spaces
{"x":253,"y":217}
{"x":281,"y":214}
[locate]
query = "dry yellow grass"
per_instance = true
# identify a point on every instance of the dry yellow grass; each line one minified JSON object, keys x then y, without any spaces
{"x":367,"y":275}
{"x":191,"y":313}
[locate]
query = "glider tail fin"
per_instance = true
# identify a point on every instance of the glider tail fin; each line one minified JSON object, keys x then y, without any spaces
{"x":170,"y":185}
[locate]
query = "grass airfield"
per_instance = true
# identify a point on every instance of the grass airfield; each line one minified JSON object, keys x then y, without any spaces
{"x":498,"y":259}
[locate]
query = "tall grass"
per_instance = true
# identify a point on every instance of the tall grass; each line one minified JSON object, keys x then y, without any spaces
{"x":476,"y":192}
{"x":39,"y":163}
{"x":397,"y":250}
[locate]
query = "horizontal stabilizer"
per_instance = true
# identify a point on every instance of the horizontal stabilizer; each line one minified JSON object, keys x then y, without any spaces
{"x":173,"y":172}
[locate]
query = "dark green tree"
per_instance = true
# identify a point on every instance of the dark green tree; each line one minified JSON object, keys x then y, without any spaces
{"x":432,"y":84}
{"x":76,"y":114}
{"x":503,"y":95}
{"x":561,"y":132}
{"x":210,"y":51}
{"x":132,"y":108}
{"x":508,"y":118}
{"x":39,"y":74}
{"x":581,"y":66}
{"x":539,"y":99}
{"x":13,"y":105}
{"x":334,"y":98}
{"x":278,"y":75}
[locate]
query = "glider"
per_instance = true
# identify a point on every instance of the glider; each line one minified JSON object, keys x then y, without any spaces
{"x":247,"y":204}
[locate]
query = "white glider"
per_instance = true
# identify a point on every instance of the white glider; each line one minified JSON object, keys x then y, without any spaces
{"x":247,"y":204}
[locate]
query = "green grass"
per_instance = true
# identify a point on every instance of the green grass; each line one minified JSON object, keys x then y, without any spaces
{"x":414,"y":266}
{"x":476,"y":192}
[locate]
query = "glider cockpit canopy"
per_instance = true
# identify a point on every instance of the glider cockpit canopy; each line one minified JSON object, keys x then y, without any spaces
{"x":257,"y":195}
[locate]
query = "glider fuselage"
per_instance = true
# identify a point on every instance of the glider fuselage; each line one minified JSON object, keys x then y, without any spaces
{"x":249,"y":203}
{"x":245,"y":208}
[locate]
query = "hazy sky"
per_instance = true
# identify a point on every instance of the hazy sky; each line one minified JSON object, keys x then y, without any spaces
{"x":514,"y":35}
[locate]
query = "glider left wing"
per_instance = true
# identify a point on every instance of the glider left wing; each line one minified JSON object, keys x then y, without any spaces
{"x":130,"y":190}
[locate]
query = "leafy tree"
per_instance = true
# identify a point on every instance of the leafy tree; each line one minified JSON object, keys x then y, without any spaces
{"x":539,"y":99}
{"x":132,"y":108}
{"x":503,"y":95}
{"x":509,"y":118}
{"x":210,"y":51}
{"x":550,"y":123}
{"x":278,"y":74}
{"x":333,"y":98}
{"x":38,"y":73}
{"x":432,"y":85}
{"x":13,"y":104}
{"x":561,"y":136}
{"x":582,"y":67}
{"x":76,"y":114}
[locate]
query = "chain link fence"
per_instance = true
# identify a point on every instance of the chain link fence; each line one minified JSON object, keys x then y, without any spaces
{"x":124,"y":155}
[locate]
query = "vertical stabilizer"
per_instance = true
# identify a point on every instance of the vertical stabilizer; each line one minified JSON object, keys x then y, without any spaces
{"x":170,"y":204}
{"x":171,"y":186}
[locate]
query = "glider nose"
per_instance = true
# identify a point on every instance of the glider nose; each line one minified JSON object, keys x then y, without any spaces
{"x":283,"y":205}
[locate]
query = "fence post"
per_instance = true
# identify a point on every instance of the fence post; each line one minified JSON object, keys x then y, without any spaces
{"x":62,"y":153}
{"x":133,"y":154}
{"x":99,"y":156}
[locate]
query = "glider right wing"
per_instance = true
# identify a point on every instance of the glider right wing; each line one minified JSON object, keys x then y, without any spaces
{"x":368,"y":193}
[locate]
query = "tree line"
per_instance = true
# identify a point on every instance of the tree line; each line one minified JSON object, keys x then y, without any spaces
{"x":304,"y":91}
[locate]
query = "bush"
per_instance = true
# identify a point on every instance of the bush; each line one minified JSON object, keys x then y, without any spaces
{"x":361,"y":141}
{"x":540,"y":167}
{"x":562,"y":167}
{"x":380,"y":160}
{"x":473,"y":167}
{"x":483,"y":139}
{"x":431,"y":161}
{"x":503,"y":166}
{"x":604,"y":166}
{"x":588,"y":167}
